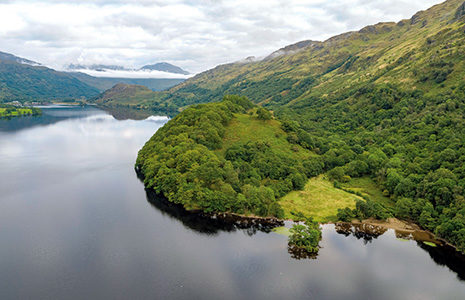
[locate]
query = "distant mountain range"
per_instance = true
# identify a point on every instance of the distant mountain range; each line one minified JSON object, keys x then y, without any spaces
{"x":105,"y":83}
{"x":165,"y":67}
{"x":26,"y":80}
{"x":96,"y":67}
{"x":162,"y":67}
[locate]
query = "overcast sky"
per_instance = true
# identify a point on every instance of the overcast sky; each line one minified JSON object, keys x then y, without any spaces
{"x":195,"y":35}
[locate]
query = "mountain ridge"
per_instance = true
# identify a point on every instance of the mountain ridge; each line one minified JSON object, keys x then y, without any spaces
{"x":385,"y":103}
{"x":161,"y":66}
{"x":24,"y":82}
{"x":165,"y":67}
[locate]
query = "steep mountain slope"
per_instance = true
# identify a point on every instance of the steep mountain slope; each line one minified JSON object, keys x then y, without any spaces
{"x":386,"y":102}
{"x":12,"y":58}
{"x":132,"y":96}
{"x":424,"y":52}
{"x":22,"y":80}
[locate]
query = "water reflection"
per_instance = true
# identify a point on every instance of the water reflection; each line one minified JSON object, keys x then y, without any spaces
{"x":364,"y":232}
{"x":50,"y":115}
{"x":207,"y":223}
{"x":124,"y":113}
{"x":299,"y":253}
{"x":75,"y":223}
{"x":443,"y":254}
{"x":446,"y":256}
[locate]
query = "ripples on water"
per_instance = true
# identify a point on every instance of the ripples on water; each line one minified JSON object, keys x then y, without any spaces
{"x":76,"y":223}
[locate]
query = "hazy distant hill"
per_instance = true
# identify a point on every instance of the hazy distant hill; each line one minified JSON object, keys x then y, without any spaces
{"x":165,"y":67}
{"x":24,"y":80}
{"x":96,"y":67}
{"x":105,"y":83}
{"x":12,"y":58}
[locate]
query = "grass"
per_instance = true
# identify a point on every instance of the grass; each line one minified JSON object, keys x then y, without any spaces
{"x":282,"y":231}
{"x":367,"y":187}
{"x":244,"y":128}
{"x":430,"y":244}
{"x":319,"y":199}
{"x":13,"y":112}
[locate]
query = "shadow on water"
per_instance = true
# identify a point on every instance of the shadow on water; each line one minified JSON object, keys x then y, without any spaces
{"x":442,"y":254}
{"x":210,"y":224}
{"x":446,"y":256}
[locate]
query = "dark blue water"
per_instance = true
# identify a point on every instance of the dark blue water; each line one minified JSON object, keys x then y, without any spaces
{"x":76,"y":223}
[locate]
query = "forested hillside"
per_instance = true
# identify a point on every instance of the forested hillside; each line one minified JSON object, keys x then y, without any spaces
{"x":386,"y":102}
{"x":198,"y":160}
{"x":23,"y":82}
{"x":133,"y":96}
{"x":424,"y":53}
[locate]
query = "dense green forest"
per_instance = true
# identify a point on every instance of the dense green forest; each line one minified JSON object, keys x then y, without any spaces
{"x":126,"y":96}
{"x":22,"y":82}
{"x":413,"y":148}
{"x":192,"y":162}
{"x":7,"y":111}
{"x":386,"y":102}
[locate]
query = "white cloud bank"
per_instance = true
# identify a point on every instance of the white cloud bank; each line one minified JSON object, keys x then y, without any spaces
{"x":134,"y":74}
{"x":195,"y":35}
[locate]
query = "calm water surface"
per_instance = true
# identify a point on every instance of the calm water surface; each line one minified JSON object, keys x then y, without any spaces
{"x":76,"y":223}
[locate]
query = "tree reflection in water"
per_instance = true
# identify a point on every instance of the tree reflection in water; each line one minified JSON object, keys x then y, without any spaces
{"x":300,"y":253}
{"x":365,"y":232}
{"x":211,"y":224}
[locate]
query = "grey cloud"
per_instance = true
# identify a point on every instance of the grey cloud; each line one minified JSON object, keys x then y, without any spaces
{"x":193,"y":34}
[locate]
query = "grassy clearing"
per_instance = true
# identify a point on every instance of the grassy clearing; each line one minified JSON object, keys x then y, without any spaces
{"x":13,"y":112}
{"x":244,"y":128}
{"x":320,"y":200}
{"x":366,"y":186}
{"x":282,"y":231}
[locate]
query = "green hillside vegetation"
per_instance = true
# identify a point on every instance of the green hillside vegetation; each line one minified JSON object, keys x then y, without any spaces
{"x":385,"y":103}
{"x":366,"y":187}
{"x":7,"y":111}
{"x":306,"y":237}
{"x":198,"y":160}
{"x":319,"y":200}
{"x":133,"y":96}
{"x":422,"y":54}
{"x":22,"y":82}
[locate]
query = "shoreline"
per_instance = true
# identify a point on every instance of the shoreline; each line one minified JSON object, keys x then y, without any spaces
{"x":403,"y":229}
